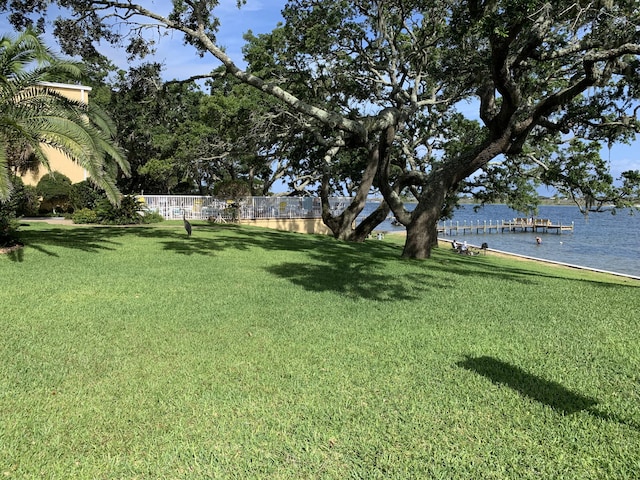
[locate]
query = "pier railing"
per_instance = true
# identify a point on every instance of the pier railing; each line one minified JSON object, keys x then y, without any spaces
{"x":543,"y":225}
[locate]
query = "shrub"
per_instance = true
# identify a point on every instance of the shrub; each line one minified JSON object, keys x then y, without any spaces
{"x":55,"y":190}
{"x":129,"y":211}
{"x":25,"y":198}
{"x":8,"y":224}
{"x":29,"y":202}
{"x":84,"y":195}
{"x":152,"y":217}
{"x":21,"y":202}
{"x":85,"y":215}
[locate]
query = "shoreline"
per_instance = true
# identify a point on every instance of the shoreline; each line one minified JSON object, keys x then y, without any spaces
{"x":502,"y":253}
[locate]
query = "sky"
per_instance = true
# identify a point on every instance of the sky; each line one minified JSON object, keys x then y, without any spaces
{"x":180,"y":61}
{"x":262,"y":16}
{"x":259,"y":16}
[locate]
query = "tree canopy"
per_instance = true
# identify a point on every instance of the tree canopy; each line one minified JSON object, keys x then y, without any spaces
{"x":427,"y":98}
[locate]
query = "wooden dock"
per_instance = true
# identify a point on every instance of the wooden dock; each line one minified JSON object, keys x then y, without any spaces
{"x":539,"y":225}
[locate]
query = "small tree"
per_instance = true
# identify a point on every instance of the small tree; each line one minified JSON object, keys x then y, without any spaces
{"x":25,"y":198}
{"x":84,"y":195}
{"x":55,"y":191}
{"x":8,"y":212}
{"x":129,"y":211}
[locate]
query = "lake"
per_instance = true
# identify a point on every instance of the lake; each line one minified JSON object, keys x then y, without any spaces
{"x":602,"y":241}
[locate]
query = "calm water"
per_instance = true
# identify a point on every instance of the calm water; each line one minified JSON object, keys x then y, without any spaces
{"x":602,"y":240}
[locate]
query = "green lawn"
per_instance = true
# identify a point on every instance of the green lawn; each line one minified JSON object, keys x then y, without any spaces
{"x":247,"y":353}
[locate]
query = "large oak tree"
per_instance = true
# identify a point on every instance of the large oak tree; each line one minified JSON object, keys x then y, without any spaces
{"x":397,"y":76}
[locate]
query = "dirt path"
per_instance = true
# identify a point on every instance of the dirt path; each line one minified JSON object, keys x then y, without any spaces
{"x":52,"y":220}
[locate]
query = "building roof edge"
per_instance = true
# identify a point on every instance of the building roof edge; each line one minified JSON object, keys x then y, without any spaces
{"x":66,"y":85}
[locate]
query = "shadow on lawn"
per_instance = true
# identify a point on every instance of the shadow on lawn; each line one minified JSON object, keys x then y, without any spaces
{"x":549,"y":393}
{"x":354,"y":269}
{"x":353,"y":272}
{"x":81,"y":238}
{"x":206,"y":239}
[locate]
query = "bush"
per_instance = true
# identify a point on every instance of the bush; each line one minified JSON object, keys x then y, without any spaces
{"x":29,"y":202}
{"x":129,"y":211}
{"x":8,"y":225}
{"x":22,"y":201}
{"x":84,"y":195}
{"x":55,"y":190}
{"x":152,"y":217}
{"x":84,"y":215}
{"x":24,"y":198}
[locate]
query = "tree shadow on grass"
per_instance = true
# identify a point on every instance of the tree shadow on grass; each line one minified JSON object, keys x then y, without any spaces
{"x":81,"y":238}
{"x":354,"y":280}
{"x":353,"y":269}
{"x":178,"y":242}
{"x":547,"y":392}
{"x":206,"y":239}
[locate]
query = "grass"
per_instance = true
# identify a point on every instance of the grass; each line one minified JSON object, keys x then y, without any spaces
{"x":248,"y":353}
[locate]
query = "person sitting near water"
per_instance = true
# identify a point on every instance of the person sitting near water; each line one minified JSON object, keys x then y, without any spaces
{"x":464,"y":248}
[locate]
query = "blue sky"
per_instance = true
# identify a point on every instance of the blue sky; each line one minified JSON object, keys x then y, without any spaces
{"x":261,"y":16}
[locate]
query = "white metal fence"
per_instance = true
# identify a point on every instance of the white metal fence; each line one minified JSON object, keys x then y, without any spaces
{"x":172,"y":207}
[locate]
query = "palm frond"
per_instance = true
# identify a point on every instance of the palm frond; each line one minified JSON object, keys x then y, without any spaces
{"x":35,"y":115}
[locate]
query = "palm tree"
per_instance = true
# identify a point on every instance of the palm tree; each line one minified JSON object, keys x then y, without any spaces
{"x":33,"y":115}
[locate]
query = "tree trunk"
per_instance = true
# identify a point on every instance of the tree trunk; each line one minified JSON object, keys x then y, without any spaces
{"x":422,"y":232}
{"x":365,"y":227}
{"x":343,"y":226}
{"x":422,"y":222}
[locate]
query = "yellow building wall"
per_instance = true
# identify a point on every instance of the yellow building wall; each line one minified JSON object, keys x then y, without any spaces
{"x":59,"y":162}
{"x":300,"y":225}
